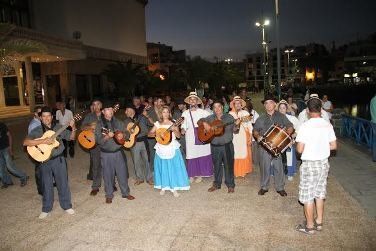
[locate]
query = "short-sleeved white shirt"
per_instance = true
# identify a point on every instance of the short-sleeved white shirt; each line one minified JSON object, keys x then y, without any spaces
{"x":64,"y":119}
{"x":303,"y":115}
{"x":316,"y":134}
{"x":327,"y":105}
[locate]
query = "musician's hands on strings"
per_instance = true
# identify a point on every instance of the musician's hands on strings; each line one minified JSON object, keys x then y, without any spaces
{"x":48,"y":141}
{"x":206,"y":125}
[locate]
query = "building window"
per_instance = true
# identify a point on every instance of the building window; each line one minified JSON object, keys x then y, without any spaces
{"x":15,"y":12}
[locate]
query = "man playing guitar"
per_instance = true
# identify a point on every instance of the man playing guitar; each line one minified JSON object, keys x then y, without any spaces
{"x":112,"y":160}
{"x":55,"y":167}
{"x":95,"y":171}
{"x":140,"y":150}
{"x":222,"y":148}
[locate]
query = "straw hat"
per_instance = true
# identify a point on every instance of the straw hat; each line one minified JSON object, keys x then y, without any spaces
{"x":193,"y":95}
{"x":237,"y":98}
{"x":282,"y":102}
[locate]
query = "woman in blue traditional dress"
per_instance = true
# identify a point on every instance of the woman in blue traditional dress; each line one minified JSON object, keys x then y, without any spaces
{"x":291,"y":161}
{"x":170,"y":172}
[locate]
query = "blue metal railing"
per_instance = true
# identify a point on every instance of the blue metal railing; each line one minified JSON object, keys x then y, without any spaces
{"x":358,"y":129}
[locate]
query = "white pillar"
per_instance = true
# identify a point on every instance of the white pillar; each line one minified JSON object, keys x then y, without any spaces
{"x":21,"y":91}
{"x":30,"y":83}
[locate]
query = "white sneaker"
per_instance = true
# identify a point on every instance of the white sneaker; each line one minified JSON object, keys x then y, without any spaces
{"x":175,"y":193}
{"x":290,"y":178}
{"x":198,"y":180}
{"x":69,"y":211}
{"x":162,"y":192}
{"x":43,"y":215}
{"x":191,"y":179}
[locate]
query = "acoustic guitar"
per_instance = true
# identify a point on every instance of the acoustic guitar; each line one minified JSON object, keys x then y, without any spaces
{"x":42,"y":152}
{"x":133,"y":130}
{"x":217,"y":129}
{"x":164,"y":135}
{"x":86,"y":138}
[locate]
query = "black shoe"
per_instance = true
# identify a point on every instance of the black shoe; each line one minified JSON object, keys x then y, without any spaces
{"x":262,"y":191}
{"x":282,"y":193}
{"x":24,"y":181}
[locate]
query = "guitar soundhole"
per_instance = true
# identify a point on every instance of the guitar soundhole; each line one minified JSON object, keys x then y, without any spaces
{"x":40,"y":150}
{"x":87,"y":138}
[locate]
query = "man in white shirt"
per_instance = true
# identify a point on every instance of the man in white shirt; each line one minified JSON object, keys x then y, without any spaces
{"x":63,"y":117}
{"x":315,"y":140}
{"x":327,"y":106}
{"x":304,"y":115}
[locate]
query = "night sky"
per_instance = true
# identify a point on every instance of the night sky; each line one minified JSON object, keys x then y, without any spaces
{"x":225,"y":28}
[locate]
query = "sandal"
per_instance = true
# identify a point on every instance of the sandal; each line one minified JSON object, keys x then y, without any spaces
{"x":318,"y":226}
{"x":304,"y":229}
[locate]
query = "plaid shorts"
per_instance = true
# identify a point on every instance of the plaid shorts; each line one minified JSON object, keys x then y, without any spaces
{"x":313,"y":178}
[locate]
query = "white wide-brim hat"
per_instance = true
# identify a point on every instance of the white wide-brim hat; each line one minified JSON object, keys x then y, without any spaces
{"x":237,"y":98}
{"x":193,"y":95}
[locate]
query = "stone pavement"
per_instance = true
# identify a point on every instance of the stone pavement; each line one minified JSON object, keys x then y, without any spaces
{"x":197,"y":220}
{"x":356,"y":172}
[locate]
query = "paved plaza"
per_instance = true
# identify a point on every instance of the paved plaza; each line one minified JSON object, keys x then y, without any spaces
{"x":197,"y":220}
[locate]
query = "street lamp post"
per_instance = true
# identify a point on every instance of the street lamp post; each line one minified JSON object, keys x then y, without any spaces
{"x":288,"y":51}
{"x":262,"y":25}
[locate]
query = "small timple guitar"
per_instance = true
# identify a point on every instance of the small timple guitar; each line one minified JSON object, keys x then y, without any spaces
{"x":86,"y":138}
{"x":164,"y":135}
{"x":42,"y":152}
{"x":134,"y":130}
{"x":217,"y":129}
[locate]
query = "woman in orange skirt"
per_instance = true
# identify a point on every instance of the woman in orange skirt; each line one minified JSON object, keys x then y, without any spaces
{"x":243,"y":140}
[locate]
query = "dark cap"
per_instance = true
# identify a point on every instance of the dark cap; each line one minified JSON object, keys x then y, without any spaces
{"x":179,"y":101}
{"x":269,"y":97}
{"x":108,"y":104}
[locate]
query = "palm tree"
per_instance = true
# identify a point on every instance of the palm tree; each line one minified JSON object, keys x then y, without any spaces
{"x":126,"y":77}
{"x":11,"y":49}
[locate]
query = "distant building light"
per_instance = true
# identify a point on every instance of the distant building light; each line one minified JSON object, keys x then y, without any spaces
{"x":364,"y":62}
{"x":347,"y":75}
{"x":310,"y":75}
{"x":354,"y":75}
{"x":162,"y":77}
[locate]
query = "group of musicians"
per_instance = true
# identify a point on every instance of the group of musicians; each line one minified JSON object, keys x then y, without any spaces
{"x":229,"y":152}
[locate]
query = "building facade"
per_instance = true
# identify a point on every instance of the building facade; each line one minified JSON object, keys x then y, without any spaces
{"x":78,"y":39}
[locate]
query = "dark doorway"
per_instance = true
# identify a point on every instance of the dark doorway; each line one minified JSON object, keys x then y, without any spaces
{"x":11,"y":94}
{"x":53,"y":89}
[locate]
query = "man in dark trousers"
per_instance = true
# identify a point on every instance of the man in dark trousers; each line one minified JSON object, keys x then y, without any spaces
{"x":140,"y":149}
{"x":222,"y":148}
{"x":6,"y":159}
{"x":267,"y":161}
{"x":89,"y":123}
{"x":55,"y":168}
{"x":112,"y":160}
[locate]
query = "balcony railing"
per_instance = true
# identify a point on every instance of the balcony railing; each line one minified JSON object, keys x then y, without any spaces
{"x":359,"y":130}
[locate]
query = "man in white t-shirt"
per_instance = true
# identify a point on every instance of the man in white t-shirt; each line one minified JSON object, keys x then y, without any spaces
{"x":315,"y":140}
{"x":327,"y":106}
{"x":64,"y":116}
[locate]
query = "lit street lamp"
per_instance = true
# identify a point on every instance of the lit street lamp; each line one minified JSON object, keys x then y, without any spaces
{"x":288,"y":61}
{"x":262,"y":25}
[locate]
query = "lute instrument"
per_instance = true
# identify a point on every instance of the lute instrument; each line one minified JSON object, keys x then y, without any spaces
{"x":42,"y":152}
{"x":86,"y":138}
{"x":217,"y":129}
{"x":164,"y":135}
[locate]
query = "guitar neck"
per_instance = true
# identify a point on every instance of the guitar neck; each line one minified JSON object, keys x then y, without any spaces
{"x":58,"y":132}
